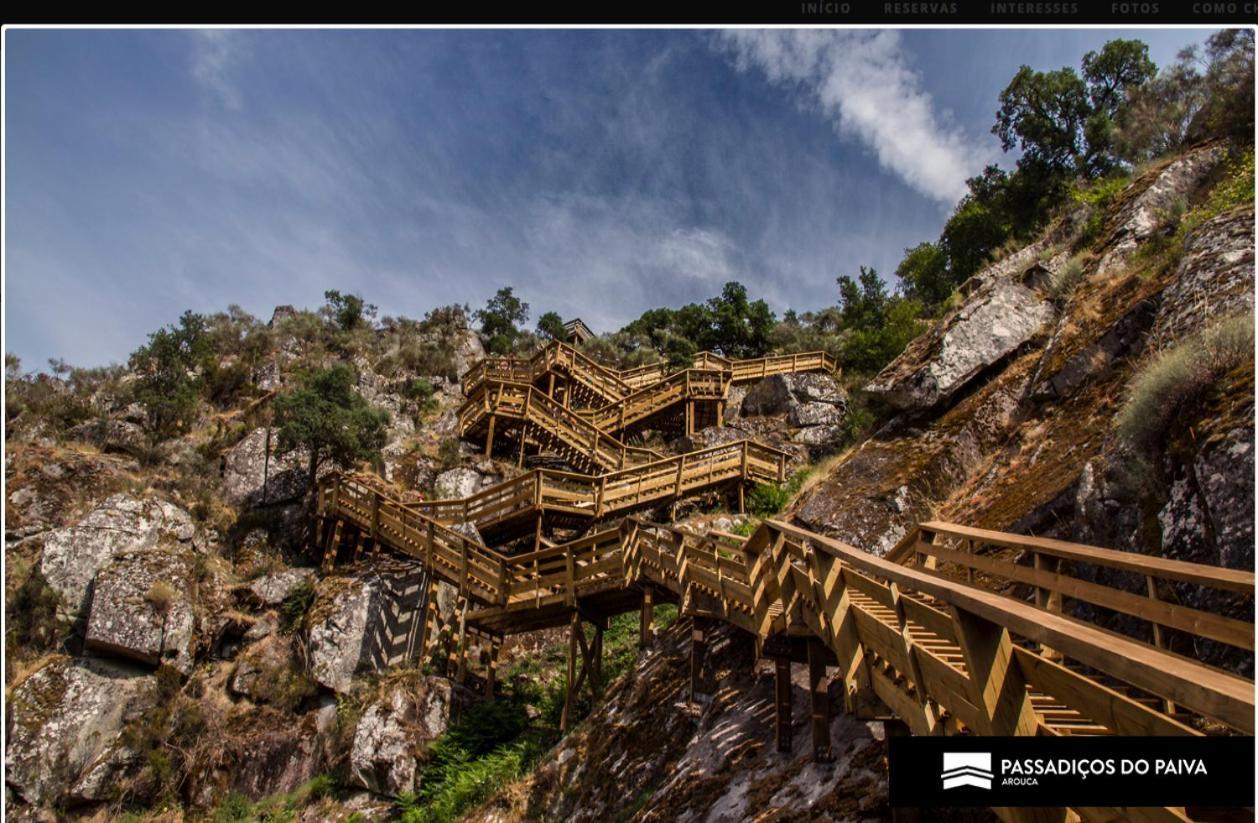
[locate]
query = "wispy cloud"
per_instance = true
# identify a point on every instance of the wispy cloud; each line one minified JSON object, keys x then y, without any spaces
{"x":215,"y":53}
{"x":862,"y":81}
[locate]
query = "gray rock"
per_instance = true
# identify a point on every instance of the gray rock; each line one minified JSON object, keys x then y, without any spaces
{"x":65,"y":723}
{"x":1147,"y":212}
{"x":993,"y":323}
{"x":457,"y":483}
{"x":815,"y":413}
{"x":113,"y":435}
{"x":262,"y":669}
{"x":338,"y":629}
{"x":277,"y":761}
{"x":74,"y":554}
{"x":819,"y":435}
{"x":393,"y":731}
{"x":271,"y":589}
{"x":1215,"y":277}
{"x":143,"y":608}
{"x":781,"y":393}
{"x":245,"y":467}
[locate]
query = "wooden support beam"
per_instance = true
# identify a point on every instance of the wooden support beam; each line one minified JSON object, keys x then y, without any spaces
{"x":819,"y":690}
{"x":999,"y":690}
{"x":489,"y":436}
{"x":574,"y":628}
{"x":698,"y":647}
{"x":461,"y":671}
{"x":646,"y":634}
{"x":334,"y":543}
{"x":782,"y":701}
{"x":491,"y":673}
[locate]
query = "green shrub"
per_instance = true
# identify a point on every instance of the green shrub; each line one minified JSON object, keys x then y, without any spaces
{"x":1172,"y":380}
{"x":768,"y":499}
{"x":296,"y":604}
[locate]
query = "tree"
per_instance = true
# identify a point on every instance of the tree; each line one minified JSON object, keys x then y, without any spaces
{"x":327,"y":417}
{"x":169,"y":369}
{"x":347,"y":311}
{"x":1043,"y":114}
{"x":878,"y":325}
{"x":501,"y":318}
{"x":550,"y":325}
{"x":924,"y":273}
{"x":738,"y":327}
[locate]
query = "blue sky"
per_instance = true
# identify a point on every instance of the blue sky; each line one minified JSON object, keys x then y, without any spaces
{"x":599,"y":172}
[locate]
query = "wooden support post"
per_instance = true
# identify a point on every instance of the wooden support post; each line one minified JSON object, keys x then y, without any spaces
{"x":647,"y":629}
{"x":375,"y":524}
{"x":819,"y":688}
{"x":999,"y":691}
{"x":489,"y":436}
{"x":428,"y":626}
{"x":782,"y":701}
{"x":334,"y":543}
{"x":698,"y":646}
{"x":742,"y":498}
{"x":574,"y":626}
{"x":1151,"y":588}
{"x":461,"y":672}
{"x":491,"y":674}
{"x":596,"y":661}
{"x":1047,"y":599}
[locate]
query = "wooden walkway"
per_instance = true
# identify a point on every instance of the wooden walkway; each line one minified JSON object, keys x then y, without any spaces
{"x":956,"y":631}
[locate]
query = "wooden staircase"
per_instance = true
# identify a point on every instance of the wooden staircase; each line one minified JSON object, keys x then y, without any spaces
{"x":956,"y":631}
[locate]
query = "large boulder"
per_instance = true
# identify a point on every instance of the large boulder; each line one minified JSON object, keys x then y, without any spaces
{"x":272,"y":588}
{"x":393,"y":732}
{"x":1147,"y":212}
{"x":992,"y":324}
{"x":782,"y":393}
{"x":267,"y":672}
{"x":144,"y":608}
{"x":251,"y":479}
{"x":338,"y":628}
{"x":457,"y":483}
{"x":121,"y":524}
{"x":64,"y":729}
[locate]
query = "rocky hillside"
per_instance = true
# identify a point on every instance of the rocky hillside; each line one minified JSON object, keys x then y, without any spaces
{"x":174,"y":653}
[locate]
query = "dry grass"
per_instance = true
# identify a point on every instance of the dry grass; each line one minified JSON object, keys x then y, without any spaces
{"x":1175,"y":377}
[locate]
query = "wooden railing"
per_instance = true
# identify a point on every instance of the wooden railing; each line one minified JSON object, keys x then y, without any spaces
{"x":945,"y":654}
{"x":588,"y":447}
{"x":612,"y":386}
{"x":964,"y":650}
{"x":1057,"y":575}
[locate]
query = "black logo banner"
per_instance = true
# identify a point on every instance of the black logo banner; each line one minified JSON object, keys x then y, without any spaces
{"x":1072,"y":771}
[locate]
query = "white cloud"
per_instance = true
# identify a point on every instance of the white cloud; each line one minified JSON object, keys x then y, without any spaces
{"x":214,"y":52}
{"x":862,"y":82}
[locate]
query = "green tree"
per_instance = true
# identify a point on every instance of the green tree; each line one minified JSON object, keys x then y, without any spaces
{"x":877,"y":325}
{"x":169,"y":369}
{"x":550,"y":325}
{"x":737,"y":326}
{"x":1043,"y":113}
{"x":924,"y":273}
{"x":347,"y":311}
{"x":327,"y":417}
{"x":501,"y":319}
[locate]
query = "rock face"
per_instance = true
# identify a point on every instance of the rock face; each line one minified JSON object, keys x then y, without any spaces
{"x":270,"y":589}
{"x":1215,"y":277}
{"x":263,"y":669}
{"x":394,"y":730}
{"x":784,"y":393}
{"x":338,"y":627}
{"x":143,"y":608}
{"x":245,"y":467}
{"x":65,"y":723}
{"x":457,"y":483}
{"x":993,"y":323}
{"x":121,"y":524}
{"x":1143,"y":215}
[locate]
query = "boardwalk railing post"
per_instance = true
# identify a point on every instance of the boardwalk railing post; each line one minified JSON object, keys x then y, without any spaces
{"x":819,"y":692}
{"x":998,"y":688}
{"x":647,"y":628}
